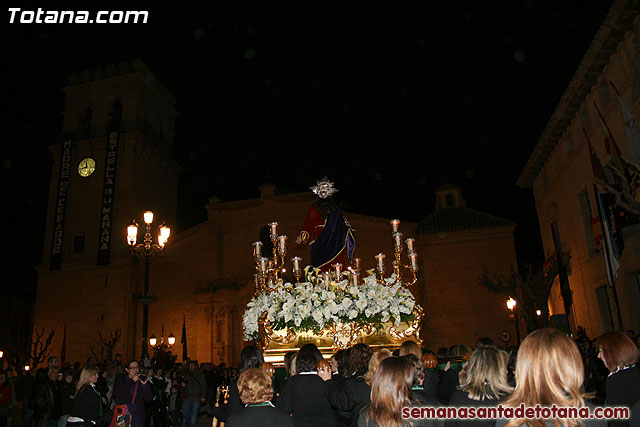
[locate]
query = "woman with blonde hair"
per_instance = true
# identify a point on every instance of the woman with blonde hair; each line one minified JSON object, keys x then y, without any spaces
{"x":549,"y":371}
{"x":256,"y":392}
{"x":374,"y":362}
{"x":483,"y":382}
{"x":87,"y":402}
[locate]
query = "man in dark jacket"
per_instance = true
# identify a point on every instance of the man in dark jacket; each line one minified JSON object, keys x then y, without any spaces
{"x":195,"y":392}
{"x":47,"y":402}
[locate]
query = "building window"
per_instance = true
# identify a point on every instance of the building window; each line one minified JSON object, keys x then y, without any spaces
{"x":568,"y":146}
{"x":78,"y":244}
{"x":587,"y":215}
{"x":450,"y":200}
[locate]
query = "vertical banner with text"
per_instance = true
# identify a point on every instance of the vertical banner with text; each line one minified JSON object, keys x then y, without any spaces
{"x":60,"y":207}
{"x":108,"y":189}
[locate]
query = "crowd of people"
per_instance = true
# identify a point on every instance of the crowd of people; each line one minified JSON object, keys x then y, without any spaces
{"x":359,"y":386}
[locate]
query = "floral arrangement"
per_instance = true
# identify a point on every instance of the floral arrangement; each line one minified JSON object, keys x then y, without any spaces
{"x":312,"y":305}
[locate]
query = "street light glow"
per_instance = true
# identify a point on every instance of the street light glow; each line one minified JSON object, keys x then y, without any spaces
{"x":511,"y":303}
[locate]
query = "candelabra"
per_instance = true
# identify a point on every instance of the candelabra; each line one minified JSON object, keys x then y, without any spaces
{"x":270,"y":270}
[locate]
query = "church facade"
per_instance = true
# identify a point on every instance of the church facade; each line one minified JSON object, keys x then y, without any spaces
{"x":114,"y":162}
{"x":560,"y":173}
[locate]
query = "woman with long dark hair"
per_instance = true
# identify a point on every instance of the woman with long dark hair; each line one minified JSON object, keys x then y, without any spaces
{"x":622,"y":387}
{"x":390,"y":392}
{"x":306,"y":395}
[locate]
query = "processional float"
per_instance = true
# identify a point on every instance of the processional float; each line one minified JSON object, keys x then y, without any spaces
{"x":333,"y":309}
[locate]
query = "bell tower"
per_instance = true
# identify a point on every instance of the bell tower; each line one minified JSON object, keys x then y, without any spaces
{"x":113,"y":162}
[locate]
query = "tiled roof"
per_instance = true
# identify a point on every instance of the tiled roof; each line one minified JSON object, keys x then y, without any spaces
{"x":459,"y":219}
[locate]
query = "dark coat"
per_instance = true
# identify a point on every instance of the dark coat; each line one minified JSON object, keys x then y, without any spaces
{"x":355,"y":395}
{"x":337,"y":385}
{"x":431,"y":401}
{"x":306,"y":396}
{"x":67,"y":391}
{"x":87,"y":404}
{"x":501,"y":422}
{"x":448,"y":385}
{"x":123,"y":390}
{"x":461,"y":398}
{"x":260,"y":416}
{"x":47,"y":404}
{"x":623,"y":389}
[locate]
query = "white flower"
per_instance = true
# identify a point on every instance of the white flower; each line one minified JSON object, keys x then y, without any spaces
{"x":313,"y":301}
{"x":317,"y":316}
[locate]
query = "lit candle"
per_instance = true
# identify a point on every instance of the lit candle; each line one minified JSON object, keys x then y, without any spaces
{"x":397,"y":238}
{"x":413,"y":257}
{"x":356,"y":263}
{"x":274,"y":230}
{"x":296,"y":264}
{"x":410,"y":242}
{"x":355,"y":278}
{"x":394,"y":225}
{"x":338,"y":268}
{"x":269,"y":264}
{"x":327,"y":278}
{"x":380,"y":258}
{"x":256,"y":280}
{"x":282,"y":247}
{"x":257,"y":250}
{"x":263,"y":265}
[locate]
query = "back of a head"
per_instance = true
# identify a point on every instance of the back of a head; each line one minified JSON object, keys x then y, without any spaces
{"x":308,"y":358}
{"x":549,"y":370}
{"x":484,"y":342}
{"x":390,"y":391}
{"x":250,"y":357}
{"x":254,"y":386}
{"x":418,"y":368}
{"x":618,"y":350}
{"x":374,"y":362}
{"x":359,"y":357}
{"x":288,"y":357}
{"x":485,"y":375}
{"x":459,"y":350}
{"x":410,"y":347}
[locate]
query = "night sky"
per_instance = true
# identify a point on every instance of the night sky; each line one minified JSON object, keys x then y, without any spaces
{"x":390,"y":103}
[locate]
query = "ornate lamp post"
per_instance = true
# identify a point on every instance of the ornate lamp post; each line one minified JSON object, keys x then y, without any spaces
{"x":146,"y":251}
{"x":171,"y":340}
{"x":513,"y":306}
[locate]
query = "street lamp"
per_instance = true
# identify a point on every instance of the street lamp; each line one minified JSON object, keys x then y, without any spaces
{"x":171,"y":340}
{"x":146,"y":251}
{"x":513,"y":306}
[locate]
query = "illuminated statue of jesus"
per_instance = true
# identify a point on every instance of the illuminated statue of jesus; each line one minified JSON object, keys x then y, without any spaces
{"x":327,"y":230}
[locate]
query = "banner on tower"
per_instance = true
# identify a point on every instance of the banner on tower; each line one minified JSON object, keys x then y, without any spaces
{"x":60,"y":207}
{"x":108,"y":191}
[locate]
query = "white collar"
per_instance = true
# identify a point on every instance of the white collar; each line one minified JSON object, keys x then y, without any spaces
{"x":308,"y":373}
